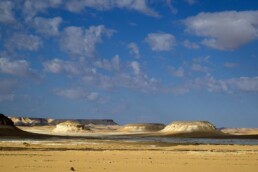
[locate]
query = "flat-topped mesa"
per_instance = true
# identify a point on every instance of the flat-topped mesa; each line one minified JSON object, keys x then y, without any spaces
{"x":142,"y":127}
{"x":28,"y":121}
{"x":70,"y":126}
{"x":190,"y":127}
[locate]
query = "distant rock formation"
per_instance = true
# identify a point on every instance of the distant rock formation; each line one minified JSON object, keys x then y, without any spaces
{"x":5,"y":121}
{"x":191,"y":129}
{"x":27,"y":121}
{"x":69,"y":126}
{"x":144,"y":127}
{"x":240,"y":131}
{"x":7,"y":127}
{"x":190,"y":126}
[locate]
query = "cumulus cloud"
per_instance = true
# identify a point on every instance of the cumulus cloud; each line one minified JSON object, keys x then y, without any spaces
{"x":93,"y":96}
{"x":72,"y":93}
{"x":32,"y":7}
{"x":111,"y":65}
{"x":47,"y":26}
{"x":177,"y":72}
{"x":94,"y":73}
{"x":6,"y":13}
{"x":233,"y":85}
{"x":139,"y":80}
{"x":199,"y":68}
{"x":79,"y":42}
{"x":200,"y":64}
{"x":230,"y":65}
{"x":137,"y":5}
{"x":18,"y":67}
{"x":190,"y":45}
{"x":210,"y":84}
{"x":134,"y":49}
{"x":78,"y":94}
{"x":161,"y":41}
{"x":22,"y":41}
{"x":130,"y":76}
{"x":136,"y":67}
{"x":246,"y":84}
{"x":171,"y":7}
{"x":224,"y":30}
{"x":61,"y":66}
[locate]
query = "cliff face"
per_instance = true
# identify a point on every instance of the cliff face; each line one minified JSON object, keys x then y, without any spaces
{"x":27,"y":121}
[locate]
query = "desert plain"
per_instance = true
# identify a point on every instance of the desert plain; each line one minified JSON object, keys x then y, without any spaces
{"x":127,"y":148}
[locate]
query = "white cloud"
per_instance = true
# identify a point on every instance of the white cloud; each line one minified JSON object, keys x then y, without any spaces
{"x":191,"y":2}
{"x":92,"y":73}
{"x":171,"y":7}
{"x":18,"y":67}
{"x":136,"y":67}
{"x":190,"y":45}
{"x":111,"y":65}
{"x":200,"y":64}
{"x":161,"y":41}
{"x":79,"y":42}
{"x":246,"y":84}
{"x":199,"y":68}
{"x":214,"y":85}
{"x":23,"y":42}
{"x":72,"y":93}
{"x":224,"y":30}
{"x":78,"y":94}
{"x":230,"y":65}
{"x":93,"y":96}
{"x":177,"y":72}
{"x":116,"y":62}
{"x":233,"y":85}
{"x":137,"y":5}
{"x":130,"y":76}
{"x":6,"y":13}
{"x":6,"y":90}
{"x":134,"y":49}
{"x":229,"y":86}
{"x":61,"y":66}
{"x":32,"y":7}
{"x":47,"y":26}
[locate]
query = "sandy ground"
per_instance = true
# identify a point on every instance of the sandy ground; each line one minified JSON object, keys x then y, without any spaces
{"x":99,"y":155}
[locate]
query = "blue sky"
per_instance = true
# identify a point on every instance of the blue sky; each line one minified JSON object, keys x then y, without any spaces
{"x":131,"y":60}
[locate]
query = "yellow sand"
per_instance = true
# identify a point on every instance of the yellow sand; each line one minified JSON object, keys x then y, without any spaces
{"x":114,"y":156}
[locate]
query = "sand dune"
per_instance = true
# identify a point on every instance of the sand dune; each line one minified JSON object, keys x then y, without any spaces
{"x":144,"y":127}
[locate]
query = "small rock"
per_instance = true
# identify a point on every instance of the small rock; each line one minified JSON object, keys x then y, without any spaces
{"x":26,"y":144}
{"x":72,"y":169}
